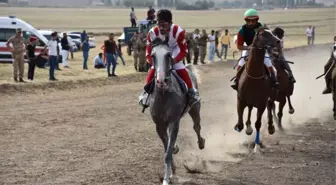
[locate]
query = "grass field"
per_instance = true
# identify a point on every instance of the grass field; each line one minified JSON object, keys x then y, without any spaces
{"x":113,"y":20}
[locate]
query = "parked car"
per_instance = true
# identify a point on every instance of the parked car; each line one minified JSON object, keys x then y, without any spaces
{"x":47,"y":34}
{"x":77,"y":38}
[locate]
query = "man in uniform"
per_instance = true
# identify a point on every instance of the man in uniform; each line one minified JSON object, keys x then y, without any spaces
{"x":135,"y":50}
{"x":202,"y":42}
{"x":141,"y":47}
{"x":18,"y":52}
{"x":195,"y":39}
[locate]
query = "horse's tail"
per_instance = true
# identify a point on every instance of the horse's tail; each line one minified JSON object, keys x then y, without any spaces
{"x":194,"y":73}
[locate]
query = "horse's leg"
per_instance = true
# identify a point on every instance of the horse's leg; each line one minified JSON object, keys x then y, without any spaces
{"x":291,"y":109}
{"x":240,"y":109}
{"x":270,"y":105}
{"x":258,"y":126}
{"x":334,"y":99}
{"x":249,"y":129}
{"x":169,"y":163}
{"x":161,"y":130}
{"x":282,"y":104}
{"x":194,"y":112}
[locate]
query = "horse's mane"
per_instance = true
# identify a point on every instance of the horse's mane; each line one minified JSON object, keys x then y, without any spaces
{"x":158,"y":41}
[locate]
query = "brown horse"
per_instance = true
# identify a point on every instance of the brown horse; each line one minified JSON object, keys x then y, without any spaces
{"x":285,"y":91}
{"x":254,"y":84}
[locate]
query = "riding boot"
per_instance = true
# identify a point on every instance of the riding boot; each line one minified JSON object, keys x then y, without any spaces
{"x":234,"y":85}
{"x":274,"y":79}
{"x":193,"y":97}
{"x":289,"y":70}
{"x":144,"y":95}
{"x":291,"y":78}
{"x":327,"y":90}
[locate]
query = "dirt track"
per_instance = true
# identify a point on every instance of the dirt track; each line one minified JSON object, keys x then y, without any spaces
{"x":98,"y":135}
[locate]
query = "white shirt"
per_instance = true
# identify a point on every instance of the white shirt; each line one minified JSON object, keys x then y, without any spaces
{"x":132,"y":15}
{"x":98,"y":61}
{"x":196,"y":36}
{"x":52,"y":47}
{"x":309,"y":32}
{"x":211,"y":38}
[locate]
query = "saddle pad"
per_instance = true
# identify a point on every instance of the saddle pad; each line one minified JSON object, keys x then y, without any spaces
{"x":181,"y":82}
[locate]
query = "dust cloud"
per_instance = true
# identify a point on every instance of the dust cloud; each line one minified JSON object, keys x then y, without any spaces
{"x":223,"y":143}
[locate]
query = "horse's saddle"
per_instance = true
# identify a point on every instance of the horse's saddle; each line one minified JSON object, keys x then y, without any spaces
{"x":243,"y":67}
{"x":150,"y":87}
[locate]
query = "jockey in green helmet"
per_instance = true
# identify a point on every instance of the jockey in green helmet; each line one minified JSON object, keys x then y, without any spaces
{"x":245,"y":38}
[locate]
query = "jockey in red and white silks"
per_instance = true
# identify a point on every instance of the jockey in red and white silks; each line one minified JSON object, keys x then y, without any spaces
{"x":178,"y":48}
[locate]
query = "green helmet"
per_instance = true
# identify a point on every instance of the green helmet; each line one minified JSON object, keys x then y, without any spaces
{"x":251,"y":14}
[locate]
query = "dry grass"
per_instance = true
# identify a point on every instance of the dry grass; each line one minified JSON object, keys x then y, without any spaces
{"x":112,"y":20}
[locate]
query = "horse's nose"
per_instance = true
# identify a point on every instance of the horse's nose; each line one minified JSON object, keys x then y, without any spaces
{"x":278,"y":42}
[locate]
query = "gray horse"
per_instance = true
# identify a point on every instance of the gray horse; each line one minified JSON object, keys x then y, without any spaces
{"x":169,"y":102}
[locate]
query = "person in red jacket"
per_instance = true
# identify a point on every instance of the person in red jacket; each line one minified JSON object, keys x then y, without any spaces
{"x":178,"y":47}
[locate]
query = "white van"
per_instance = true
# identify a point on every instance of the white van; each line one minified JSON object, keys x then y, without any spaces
{"x":8,"y":26}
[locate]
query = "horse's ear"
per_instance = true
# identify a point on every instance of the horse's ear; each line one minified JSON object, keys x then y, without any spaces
{"x":261,"y":29}
{"x":166,"y":40}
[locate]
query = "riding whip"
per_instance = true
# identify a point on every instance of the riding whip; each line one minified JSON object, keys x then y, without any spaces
{"x":332,"y":65}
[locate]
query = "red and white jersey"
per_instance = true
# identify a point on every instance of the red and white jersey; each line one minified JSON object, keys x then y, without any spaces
{"x":177,"y":43}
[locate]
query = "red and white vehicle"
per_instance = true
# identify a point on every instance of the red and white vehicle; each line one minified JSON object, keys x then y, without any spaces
{"x":8,"y":26}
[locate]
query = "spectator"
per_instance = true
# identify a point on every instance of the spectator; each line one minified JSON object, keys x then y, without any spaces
{"x":18,"y":52}
{"x":196,"y":38}
{"x":225,"y":43}
{"x":202,"y":42}
{"x":313,"y":35}
{"x":119,"y":54}
{"x":216,"y":43}
{"x":309,"y":33}
{"x":59,"y":56}
{"x":70,"y":46}
{"x":83,"y":36}
{"x":111,"y":51}
{"x":133,"y":18}
{"x":212,"y":46}
{"x":98,"y":62}
{"x":151,"y":13}
{"x":52,"y":47}
{"x":65,"y":50}
{"x":31,"y":57}
{"x":42,"y":59}
{"x":86,"y":49}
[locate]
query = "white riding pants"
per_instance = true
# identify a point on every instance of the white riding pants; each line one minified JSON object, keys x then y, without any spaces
{"x":245,"y":53}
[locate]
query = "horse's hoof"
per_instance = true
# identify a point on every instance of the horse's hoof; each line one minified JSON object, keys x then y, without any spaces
{"x":256,"y":148}
{"x":271,"y":129}
{"x":201,"y":144}
{"x":249,"y":130}
{"x":165,"y":182}
{"x":176,"y":150}
{"x":238,"y":127}
{"x":291,"y":111}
